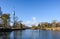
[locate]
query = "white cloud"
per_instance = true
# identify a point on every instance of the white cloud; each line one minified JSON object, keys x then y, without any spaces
{"x":31,"y":22}
{"x":34,"y":18}
{"x":28,"y":22}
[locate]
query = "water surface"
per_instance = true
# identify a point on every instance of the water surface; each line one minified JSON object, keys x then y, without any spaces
{"x":30,"y":34}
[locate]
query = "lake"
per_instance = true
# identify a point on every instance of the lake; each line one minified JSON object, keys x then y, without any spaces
{"x":30,"y":34}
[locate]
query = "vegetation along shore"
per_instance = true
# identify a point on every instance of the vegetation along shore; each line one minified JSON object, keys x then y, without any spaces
{"x":18,"y":25}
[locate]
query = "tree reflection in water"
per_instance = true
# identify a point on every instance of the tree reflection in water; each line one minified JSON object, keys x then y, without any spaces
{"x":11,"y":35}
{"x":4,"y":35}
{"x":43,"y":34}
{"x":18,"y":34}
{"x":30,"y":34}
{"x":34,"y":34}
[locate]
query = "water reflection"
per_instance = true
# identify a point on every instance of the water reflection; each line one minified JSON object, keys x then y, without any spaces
{"x":34,"y":34}
{"x":43,"y":34}
{"x":30,"y":34}
{"x":56,"y":34}
{"x":16,"y":35}
{"x":4,"y":35}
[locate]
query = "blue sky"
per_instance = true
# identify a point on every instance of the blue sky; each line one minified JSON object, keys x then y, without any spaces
{"x":32,"y":11}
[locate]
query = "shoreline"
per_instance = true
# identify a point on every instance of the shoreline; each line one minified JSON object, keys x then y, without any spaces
{"x":14,"y":29}
{"x":56,"y":28}
{"x":53,"y":28}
